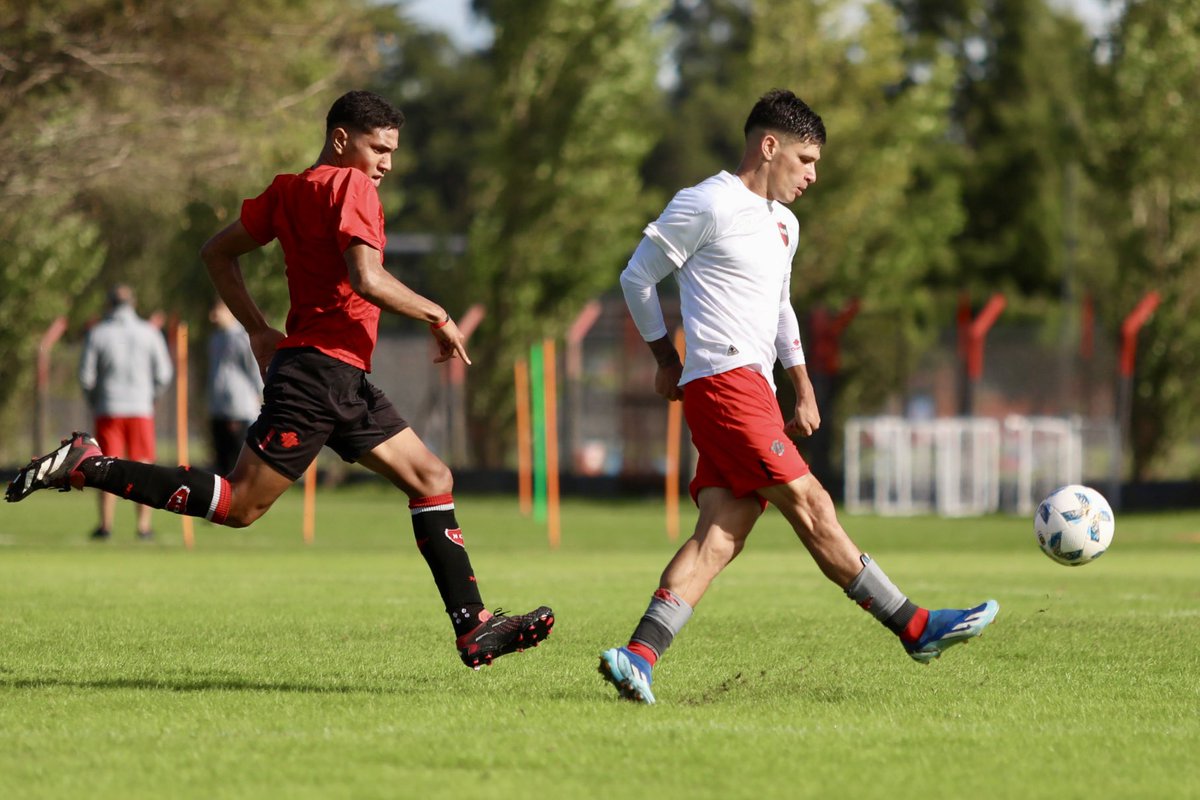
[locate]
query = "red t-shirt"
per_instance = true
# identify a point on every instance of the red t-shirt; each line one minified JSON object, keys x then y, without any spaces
{"x":316,"y":215}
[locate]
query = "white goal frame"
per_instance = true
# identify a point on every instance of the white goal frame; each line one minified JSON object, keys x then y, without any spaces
{"x":965,"y":466}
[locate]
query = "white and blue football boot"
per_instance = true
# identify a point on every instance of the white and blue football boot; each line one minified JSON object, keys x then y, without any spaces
{"x":950,"y":626}
{"x":629,"y":672}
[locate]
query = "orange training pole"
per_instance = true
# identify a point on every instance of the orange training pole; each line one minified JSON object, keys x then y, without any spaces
{"x":181,"y":415}
{"x":674,"y":434}
{"x":550,"y":382}
{"x":524,"y":438}
{"x":310,"y":503}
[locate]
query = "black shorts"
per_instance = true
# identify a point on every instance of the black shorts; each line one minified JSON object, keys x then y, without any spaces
{"x":310,"y":400}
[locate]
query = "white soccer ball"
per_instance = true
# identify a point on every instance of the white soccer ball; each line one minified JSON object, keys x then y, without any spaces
{"x":1074,"y":525}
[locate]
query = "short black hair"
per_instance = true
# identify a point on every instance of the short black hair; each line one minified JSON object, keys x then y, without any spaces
{"x":780,"y":111}
{"x":119,"y":294}
{"x":364,"y":112}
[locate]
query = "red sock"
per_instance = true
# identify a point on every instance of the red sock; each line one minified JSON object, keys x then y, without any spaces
{"x":916,"y":626}
{"x":643,"y":651}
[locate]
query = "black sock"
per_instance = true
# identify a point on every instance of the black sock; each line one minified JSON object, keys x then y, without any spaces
{"x":183,"y":490}
{"x":440,"y":540}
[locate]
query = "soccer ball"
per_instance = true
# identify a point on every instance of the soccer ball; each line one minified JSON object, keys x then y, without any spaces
{"x":1074,"y":525}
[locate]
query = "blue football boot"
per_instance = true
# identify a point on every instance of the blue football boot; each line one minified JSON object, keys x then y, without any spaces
{"x":948,"y":627}
{"x":629,"y":672}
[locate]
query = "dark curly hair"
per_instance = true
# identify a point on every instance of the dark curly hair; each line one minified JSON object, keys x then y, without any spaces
{"x":780,"y":111}
{"x":364,"y":112}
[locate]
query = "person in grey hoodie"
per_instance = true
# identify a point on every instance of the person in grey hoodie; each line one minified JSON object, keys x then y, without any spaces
{"x":234,"y":387}
{"x":123,"y":368}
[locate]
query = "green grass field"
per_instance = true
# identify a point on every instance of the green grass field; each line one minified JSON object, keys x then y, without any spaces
{"x":256,"y":666}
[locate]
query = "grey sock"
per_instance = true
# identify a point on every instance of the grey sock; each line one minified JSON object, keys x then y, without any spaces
{"x":872,"y":590}
{"x":665,"y":617}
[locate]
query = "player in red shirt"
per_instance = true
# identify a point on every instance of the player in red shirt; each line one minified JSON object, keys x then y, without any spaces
{"x":329,"y":222}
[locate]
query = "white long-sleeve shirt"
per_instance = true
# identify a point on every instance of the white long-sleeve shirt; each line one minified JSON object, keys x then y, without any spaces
{"x":731,"y":251}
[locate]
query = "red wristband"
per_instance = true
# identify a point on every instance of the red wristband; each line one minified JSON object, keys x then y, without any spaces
{"x":436,"y":325}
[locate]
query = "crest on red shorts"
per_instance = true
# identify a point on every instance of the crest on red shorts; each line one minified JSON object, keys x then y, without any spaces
{"x":777,"y":447}
{"x":455,"y":535}
{"x":783,"y":234}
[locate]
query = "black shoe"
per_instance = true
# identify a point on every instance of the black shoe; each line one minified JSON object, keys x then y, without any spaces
{"x":145,"y":536}
{"x":501,"y":634}
{"x":55,"y":470}
{"x":100,"y":535}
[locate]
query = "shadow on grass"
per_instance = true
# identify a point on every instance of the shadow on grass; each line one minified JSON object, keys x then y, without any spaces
{"x":201,"y":685}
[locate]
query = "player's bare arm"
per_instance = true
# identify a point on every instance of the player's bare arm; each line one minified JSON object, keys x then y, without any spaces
{"x":670,"y":369}
{"x":807,"y":417}
{"x":364,"y":265}
{"x":220,"y":255}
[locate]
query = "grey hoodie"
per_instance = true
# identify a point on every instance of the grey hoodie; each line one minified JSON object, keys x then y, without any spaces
{"x":124,"y":365}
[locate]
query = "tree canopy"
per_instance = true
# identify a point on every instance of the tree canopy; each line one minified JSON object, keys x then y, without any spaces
{"x":986,"y":145}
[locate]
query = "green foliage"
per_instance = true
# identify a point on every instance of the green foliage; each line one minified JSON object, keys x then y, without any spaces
{"x":700,"y":120}
{"x":445,"y":96}
{"x":973,"y":144}
{"x":879,"y":222}
{"x":1024,"y":122}
{"x":132,"y":130}
{"x":39,"y":266}
{"x":558,"y":195}
{"x":1149,"y":105}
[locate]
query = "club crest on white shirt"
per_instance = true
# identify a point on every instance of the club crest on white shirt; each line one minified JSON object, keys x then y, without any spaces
{"x":783,"y":234}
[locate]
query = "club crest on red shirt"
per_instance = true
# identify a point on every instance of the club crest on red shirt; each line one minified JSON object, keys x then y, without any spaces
{"x":783,"y":234}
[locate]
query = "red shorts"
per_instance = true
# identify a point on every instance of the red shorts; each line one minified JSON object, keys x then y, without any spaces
{"x":126,"y":437}
{"x":738,"y":430}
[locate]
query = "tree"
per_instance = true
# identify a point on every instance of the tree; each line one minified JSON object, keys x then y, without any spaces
{"x":132,"y":129}
{"x":558,"y":195}
{"x":1148,"y":107}
{"x":880,"y":221}
{"x":1024,"y":124}
{"x":708,"y":47}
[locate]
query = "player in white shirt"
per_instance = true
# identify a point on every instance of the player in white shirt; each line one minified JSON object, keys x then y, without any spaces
{"x":729,"y":241}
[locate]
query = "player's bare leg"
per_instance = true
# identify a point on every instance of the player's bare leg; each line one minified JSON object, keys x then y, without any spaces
{"x":482,"y":636}
{"x":924,"y":633}
{"x":721,"y":531}
{"x":254,"y":487}
{"x":810,"y":510}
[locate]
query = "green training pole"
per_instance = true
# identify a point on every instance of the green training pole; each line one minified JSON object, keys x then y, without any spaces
{"x":538,"y":424}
